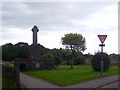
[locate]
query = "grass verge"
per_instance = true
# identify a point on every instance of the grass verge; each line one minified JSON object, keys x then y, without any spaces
{"x":66,"y":76}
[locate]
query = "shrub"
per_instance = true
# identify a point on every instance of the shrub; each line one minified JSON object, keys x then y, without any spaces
{"x":47,"y":56}
{"x":96,"y":61}
{"x":79,"y":60}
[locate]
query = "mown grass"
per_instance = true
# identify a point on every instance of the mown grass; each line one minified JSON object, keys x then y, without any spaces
{"x":66,"y":76}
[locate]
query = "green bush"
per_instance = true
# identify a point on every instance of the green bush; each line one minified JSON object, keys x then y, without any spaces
{"x":79,"y":59}
{"x":47,"y":56}
{"x":96,"y":61}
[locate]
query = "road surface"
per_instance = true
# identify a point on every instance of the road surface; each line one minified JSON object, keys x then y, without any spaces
{"x":112,"y":85}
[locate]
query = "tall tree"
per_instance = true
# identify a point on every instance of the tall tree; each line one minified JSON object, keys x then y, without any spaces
{"x":21,"y":50}
{"x":75,"y":43}
{"x":7,"y":51}
{"x":11,"y":52}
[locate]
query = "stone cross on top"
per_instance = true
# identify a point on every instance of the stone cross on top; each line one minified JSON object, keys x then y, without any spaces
{"x":35,"y":30}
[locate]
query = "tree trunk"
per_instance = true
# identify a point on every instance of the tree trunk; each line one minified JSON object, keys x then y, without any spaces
{"x":71,"y":59}
{"x":71,"y":63}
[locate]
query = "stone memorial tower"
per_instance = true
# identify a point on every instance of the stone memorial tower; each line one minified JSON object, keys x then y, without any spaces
{"x":35,"y":48}
{"x":34,"y":60}
{"x":35,"y":30}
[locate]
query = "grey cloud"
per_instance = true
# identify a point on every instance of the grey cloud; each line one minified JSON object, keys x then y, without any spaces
{"x":46,"y":15}
{"x":49,"y":17}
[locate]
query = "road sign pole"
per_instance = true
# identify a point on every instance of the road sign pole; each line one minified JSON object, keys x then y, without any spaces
{"x":102,"y":39}
{"x":102,"y":63}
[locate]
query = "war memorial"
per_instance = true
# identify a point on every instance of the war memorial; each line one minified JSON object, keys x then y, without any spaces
{"x":34,"y":61}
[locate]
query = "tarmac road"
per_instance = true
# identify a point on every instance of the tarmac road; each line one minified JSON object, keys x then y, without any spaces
{"x":30,"y":82}
{"x":112,"y":85}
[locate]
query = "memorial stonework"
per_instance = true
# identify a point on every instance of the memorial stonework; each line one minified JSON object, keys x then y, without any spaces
{"x":35,"y":30}
{"x":34,"y":60}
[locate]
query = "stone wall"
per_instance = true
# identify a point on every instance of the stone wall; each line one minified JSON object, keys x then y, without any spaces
{"x":26,"y":64}
{"x":12,"y":74}
{"x":35,"y":51}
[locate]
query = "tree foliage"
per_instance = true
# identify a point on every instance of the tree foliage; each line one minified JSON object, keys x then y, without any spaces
{"x":10,"y":51}
{"x":47,"y":56}
{"x":65,"y":54}
{"x":7,"y":51}
{"x":79,"y":59}
{"x":21,"y":50}
{"x":75,"y":43}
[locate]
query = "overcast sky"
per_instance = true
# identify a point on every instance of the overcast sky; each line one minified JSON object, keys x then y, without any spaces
{"x":54,"y":19}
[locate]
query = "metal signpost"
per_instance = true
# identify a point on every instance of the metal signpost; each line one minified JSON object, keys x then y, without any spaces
{"x":102,"y":39}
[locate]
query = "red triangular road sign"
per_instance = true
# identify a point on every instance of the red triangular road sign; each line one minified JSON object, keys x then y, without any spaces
{"x":102,"y":38}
